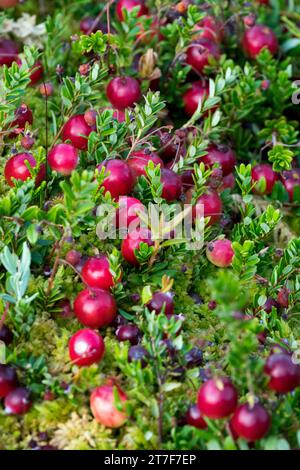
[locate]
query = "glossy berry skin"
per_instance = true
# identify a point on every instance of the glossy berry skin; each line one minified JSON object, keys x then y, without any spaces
{"x":77,"y":131}
{"x":221,"y":155}
{"x":123,"y":92}
{"x":171,"y":185}
{"x":132,"y":242}
{"x":16,"y":168}
{"x":162,"y":301}
{"x":95,"y":308}
{"x":8,"y":380}
{"x":250,"y":423}
{"x":220,"y":253}
{"x":23,"y":116}
{"x":73,"y":257}
{"x":102,"y":402}
{"x":129,"y":333}
{"x":200,"y":54}
{"x":217,"y":398}
{"x":138,"y":354}
{"x":197,"y":92}
{"x":86,"y":347}
{"x":194,"y":418}
{"x":257,"y":38}
{"x":96,"y":273}
{"x":63,"y":158}
{"x":18,"y":402}
{"x":211,"y":204}
{"x":6,"y":335}
{"x":139,"y":160}
{"x":264,"y":170}
{"x":290,"y":185}
{"x":283,"y":373}
{"x":127,"y":214}
{"x":119,"y":180}
{"x":129,"y":5}
{"x":37,"y":73}
{"x":8,"y":52}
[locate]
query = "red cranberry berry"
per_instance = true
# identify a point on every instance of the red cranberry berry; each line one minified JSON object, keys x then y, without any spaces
{"x":228,"y":182}
{"x":283,"y":297}
{"x":221,"y":155}
{"x":8,"y":3}
{"x":209,"y":28}
{"x":250,"y":423}
{"x":64,"y":308}
{"x":119,"y":180}
{"x":194,"y":417}
{"x":23,"y":116}
{"x":217,"y":398}
{"x":171,"y":185}
{"x":198,"y":92}
{"x":8,"y":380}
{"x":102,"y":402}
{"x":200,"y":54}
{"x":138,"y":161}
{"x":270,"y":304}
{"x":36,"y":73}
{"x":168,"y":146}
{"x":63,"y":158}
{"x":284,"y":374}
{"x":18,"y":402}
{"x":8,"y":52}
{"x":73,"y":257}
{"x":132,"y":242}
{"x":16,"y":168}
{"x":138,"y":354}
{"x":129,"y":333}
{"x":27,"y":142}
{"x":128,"y":5}
{"x":46,"y":89}
{"x":263,"y":172}
{"x":96,"y":273}
{"x":123,"y":92}
{"x":127,"y":215}
{"x":90,"y":25}
{"x":210,"y":203}
{"x":77,"y":131}
{"x":220,"y":253}
{"x":90,"y":117}
{"x":291,"y":181}
{"x":86,"y":347}
{"x":162,"y":301}
{"x":249,"y":20}
{"x":95,"y":308}
{"x":257,"y":38}
{"x":6,"y":335}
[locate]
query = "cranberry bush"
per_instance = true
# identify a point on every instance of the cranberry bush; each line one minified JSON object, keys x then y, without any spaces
{"x":124,"y":104}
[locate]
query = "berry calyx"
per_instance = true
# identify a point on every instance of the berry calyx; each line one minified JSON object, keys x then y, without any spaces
{"x":283,"y":373}
{"x":132,"y":243}
{"x":263,"y":178}
{"x":95,"y":308}
{"x":16,"y":168}
{"x":123,"y":92}
{"x":8,"y":380}
{"x":250,"y":422}
{"x":217,"y":398}
{"x":220,"y":252}
{"x":194,"y":418}
{"x":63,"y":158}
{"x":96,"y":273}
{"x":18,"y":401}
{"x":77,"y":131}
{"x":102,"y":402}
{"x":257,"y":38}
{"x":86,"y":347}
{"x":119,"y":180}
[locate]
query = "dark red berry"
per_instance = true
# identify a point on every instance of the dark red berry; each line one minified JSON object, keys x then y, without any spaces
{"x":209,"y":28}
{"x":168,"y":146}
{"x":128,"y":5}
{"x":250,"y":423}
{"x":129,"y":333}
{"x":8,"y":380}
{"x":283,"y":297}
{"x":132,"y":242}
{"x":90,"y":117}
{"x":217,"y":398}
{"x":16,"y":168}
{"x":63,"y":158}
{"x":6,"y":335}
{"x":123,"y":92}
{"x":220,"y":252}
{"x":222,"y":155}
{"x":257,"y":38}
{"x":283,"y":373}
{"x":27,"y":142}
{"x":171,"y":185}
{"x":8,"y":52}
{"x":127,"y":215}
{"x":265,"y":173}
{"x":198,"y":92}
{"x":138,"y":161}
{"x":208,"y":205}
{"x":119,"y":180}
{"x":162,"y":301}
{"x":86,"y":347}
{"x":291,"y":181}
{"x":23,"y":116}
{"x":18,"y":402}
{"x":138,"y":354}
{"x":95,"y":308}
{"x":64,"y":308}
{"x":270,"y":304}
{"x":96,"y":273}
{"x":73,"y":257}
{"x":194,"y":417}
{"x":37,"y":72}
{"x":77,"y":131}
{"x":200,"y":54}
